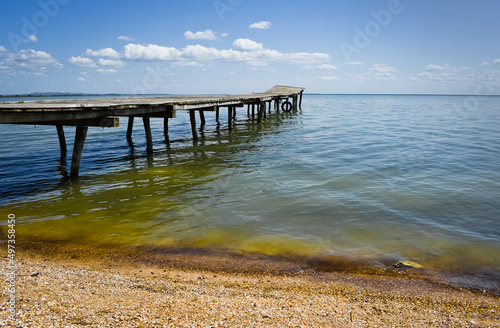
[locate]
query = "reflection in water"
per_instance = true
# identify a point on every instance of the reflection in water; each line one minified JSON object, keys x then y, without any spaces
{"x":150,"y":199}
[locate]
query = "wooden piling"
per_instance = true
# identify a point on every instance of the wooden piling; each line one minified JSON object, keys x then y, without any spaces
{"x":80,"y":135}
{"x":165,"y":127}
{"x":202,"y":118}
{"x":217,"y":114}
{"x":294,"y":102}
{"x":230,"y":117}
{"x":149,"y":137}
{"x":261,"y":112}
{"x":62,"y":140}
{"x":130,"y":127}
{"x":300,"y":101}
{"x":192,"y":118}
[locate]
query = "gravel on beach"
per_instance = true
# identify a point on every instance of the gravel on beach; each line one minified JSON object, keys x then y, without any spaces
{"x":60,"y":286}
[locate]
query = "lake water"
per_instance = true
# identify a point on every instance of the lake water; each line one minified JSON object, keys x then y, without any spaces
{"x":374,"y":177}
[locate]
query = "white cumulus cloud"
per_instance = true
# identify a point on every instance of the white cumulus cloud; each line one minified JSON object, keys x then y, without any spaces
{"x":150,"y":52}
{"x":125,"y":38}
{"x":307,"y":57}
{"x":33,"y":38}
{"x":81,"y":79}
{"x":245,"y":51}
{"x":247,"y":44}
{"x":107,"y":52}
{"x":443,"y":73}
{"x":496,"y":61}
{"x":328,"y":78}
{"x":3,"y":49}
{"x":28,"y":62}
{"x":111,"y":62}
{"x":327,"y":66}
{"x":106,"y":70}
{"x":31,"y":58}
{"x":355,"y":63}
{"x":382,"y":72}
{"x":200,"y":35}
{"x":82,"y":61}
{"x":436,"y":67}
{"x":263,"y":25}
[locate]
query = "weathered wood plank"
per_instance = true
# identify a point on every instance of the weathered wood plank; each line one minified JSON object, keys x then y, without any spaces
{"x":105,"y":122}
{"x":80,"y":135}
{"x":62,"y":140}
{"x":130,"y":127}
{"x":192,"y":118}
{"x":149,"y":137}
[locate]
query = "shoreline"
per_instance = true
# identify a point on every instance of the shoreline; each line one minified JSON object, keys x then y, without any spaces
{"x":60,"y":283}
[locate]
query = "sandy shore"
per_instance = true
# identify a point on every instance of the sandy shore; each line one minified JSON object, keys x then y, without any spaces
{"x":68,"y":285}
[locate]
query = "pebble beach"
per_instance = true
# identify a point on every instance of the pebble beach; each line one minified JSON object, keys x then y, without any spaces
{"x":70,"y":285}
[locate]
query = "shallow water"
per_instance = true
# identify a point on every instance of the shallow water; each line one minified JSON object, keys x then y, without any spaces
{"x":364,"y":176}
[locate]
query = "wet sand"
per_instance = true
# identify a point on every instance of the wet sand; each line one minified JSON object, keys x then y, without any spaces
{"x":61,"y":284}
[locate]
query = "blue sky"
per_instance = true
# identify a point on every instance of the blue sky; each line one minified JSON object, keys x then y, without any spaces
{"x":231,"y":46}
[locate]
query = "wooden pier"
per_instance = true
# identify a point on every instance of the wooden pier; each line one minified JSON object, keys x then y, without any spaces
{"x":104,"y":112}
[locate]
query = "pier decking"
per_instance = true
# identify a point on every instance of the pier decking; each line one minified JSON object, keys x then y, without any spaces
{"x":104,"y":112}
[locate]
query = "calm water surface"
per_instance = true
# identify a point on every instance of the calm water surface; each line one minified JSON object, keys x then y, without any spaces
{"x":373,"y":177}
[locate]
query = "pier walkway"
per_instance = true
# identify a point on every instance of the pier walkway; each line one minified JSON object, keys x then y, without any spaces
{"x":105,"y":112}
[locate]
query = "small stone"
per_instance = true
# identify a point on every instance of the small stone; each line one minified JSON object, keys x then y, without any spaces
{"x":265,"y":317}
{"x":34,"y":274}
{"x":407,"y":265}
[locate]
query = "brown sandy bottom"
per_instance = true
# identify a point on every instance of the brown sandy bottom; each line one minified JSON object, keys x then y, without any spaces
{"x":60,"y":284}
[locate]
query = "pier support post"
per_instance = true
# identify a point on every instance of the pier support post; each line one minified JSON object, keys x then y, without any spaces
{"x":80,"y":135}
{"x":130,"y":127}
{"x":62,"y":140}
{"x":230,"y":117}
{"x":165,"y":127}
{"x":294,"y":102}
{"x":202,"y":118}
{"x":253,"y":111}
{"x":149,"y":137}
{"x":217,"y":115}
{"x":262,"y":110}
{"x":192,"y":118}
{"x":300,"y":101}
